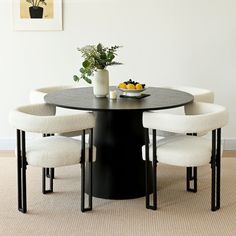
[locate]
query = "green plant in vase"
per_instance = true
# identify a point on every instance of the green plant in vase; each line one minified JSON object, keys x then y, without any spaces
{"x":96,"y":57}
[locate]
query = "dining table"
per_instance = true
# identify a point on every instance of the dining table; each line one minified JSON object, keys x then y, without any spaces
{"x":119,"y":169}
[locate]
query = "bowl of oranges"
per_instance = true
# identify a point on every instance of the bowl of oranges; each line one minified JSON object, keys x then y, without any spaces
{"x":131,"y":88}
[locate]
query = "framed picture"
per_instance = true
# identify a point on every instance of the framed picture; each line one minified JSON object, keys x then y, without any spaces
{"x":37,"y":15}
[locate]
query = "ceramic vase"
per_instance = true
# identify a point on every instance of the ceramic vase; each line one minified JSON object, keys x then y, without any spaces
{"x":101,"y":83}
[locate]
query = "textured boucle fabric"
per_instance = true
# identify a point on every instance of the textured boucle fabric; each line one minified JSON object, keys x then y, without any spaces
{"x":56,"y":151}
{"x":37,"y":95}
{"x":40,"y":118}
{"x":182,"y":150}
{"x":199,"y":94}
{"x":205,"y":117}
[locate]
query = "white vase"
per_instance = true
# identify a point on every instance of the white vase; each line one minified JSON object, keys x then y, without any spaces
{"x":101,"y":83}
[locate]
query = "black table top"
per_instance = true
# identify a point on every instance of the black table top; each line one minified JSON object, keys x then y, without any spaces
{"x":83,"y":99}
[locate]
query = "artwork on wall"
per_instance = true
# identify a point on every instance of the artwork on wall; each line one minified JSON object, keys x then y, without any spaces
{"x":37,"y":14}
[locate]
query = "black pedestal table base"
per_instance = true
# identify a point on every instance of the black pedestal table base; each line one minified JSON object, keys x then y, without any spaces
{"x":119,"y":170}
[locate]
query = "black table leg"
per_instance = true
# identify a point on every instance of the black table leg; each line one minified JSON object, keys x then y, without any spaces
{"x":119,"y":170}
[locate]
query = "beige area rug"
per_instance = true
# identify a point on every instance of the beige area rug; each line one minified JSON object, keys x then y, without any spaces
{"x":179,"y":213}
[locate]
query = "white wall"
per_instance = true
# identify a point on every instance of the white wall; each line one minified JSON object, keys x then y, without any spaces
{"x":166,"y":42}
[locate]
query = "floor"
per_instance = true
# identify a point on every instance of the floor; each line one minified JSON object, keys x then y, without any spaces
{"x":179,"y":212}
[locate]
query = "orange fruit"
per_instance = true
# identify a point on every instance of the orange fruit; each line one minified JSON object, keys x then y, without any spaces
{"x":130,"y":86}
{"x":122,"y":86}
{"x":139,"y":86}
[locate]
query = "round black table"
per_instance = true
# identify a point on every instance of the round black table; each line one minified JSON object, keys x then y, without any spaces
{"x":119,"y":170}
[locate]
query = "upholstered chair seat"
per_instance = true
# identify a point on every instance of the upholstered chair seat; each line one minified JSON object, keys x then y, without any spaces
{"x":173,"y":153}
{"x":170,"y":151}
{"x":56,"y":151}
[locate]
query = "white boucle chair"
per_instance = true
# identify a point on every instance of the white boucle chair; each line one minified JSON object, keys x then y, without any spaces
{"x":199,"y":95}
{"x":184,"y":150}
{"x":37,"y":96}
{"x":51,"y":151}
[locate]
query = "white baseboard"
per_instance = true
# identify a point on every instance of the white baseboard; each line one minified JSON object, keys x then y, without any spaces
{"x":7,"y":143}
{"x":10,"y":144}
{"x":229,"y":144}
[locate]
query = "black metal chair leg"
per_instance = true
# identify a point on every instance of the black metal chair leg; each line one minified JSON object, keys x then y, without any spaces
{"x":50,"y":172}
{"x":82,"y":187}
{"x":89,"y":208}
{"x":91,"y":169}
{"x":24,"y":200}
{"x":216,"y":170}
{"x":44,"y":189}
{"x":218,"y":164}
{"x":47,"y":172}
{"x":213,"y":189}
{"x":146,"y":167}
{"x":191,"y":179}
{"x":53,"y":173}
{"x":213,"y":170}
{"x":19,"y":186}
{"x":21,"y":171}
{"x":154,"y":171}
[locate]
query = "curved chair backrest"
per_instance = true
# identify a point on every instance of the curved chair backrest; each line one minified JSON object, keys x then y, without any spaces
{"x":37,"y":95}
{"x":39,"y":118}
{"x":204,"y":117}
{"x":199,"y":94}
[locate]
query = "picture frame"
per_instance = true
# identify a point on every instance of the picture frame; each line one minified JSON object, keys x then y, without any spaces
{"x":37,"y":15}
